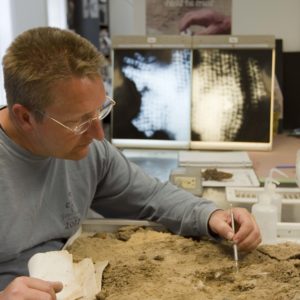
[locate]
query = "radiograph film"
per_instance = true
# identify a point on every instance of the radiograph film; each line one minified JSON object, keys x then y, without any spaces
{"x":152,"y":89}
{"x":231,"y":95}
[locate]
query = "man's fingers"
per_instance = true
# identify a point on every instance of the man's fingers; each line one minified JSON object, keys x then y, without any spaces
{"x":248,"y":235}
{"x":249,"y":244}
{"x":56,"y":285}
{"x":246,"y":223}
{"x":38,"y":285}
{"x":30,"y":288}
{"x":219,"y":224}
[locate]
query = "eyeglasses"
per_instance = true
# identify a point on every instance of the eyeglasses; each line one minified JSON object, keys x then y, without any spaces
{"x":101,"y":113}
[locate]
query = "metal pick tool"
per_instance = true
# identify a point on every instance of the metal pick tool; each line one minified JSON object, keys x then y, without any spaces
{"x":235,"y":250}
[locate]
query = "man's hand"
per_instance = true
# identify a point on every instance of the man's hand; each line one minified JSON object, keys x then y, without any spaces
{"x":27,"y":288}
{"x":211,"y":22}
{"x":247,"y":236}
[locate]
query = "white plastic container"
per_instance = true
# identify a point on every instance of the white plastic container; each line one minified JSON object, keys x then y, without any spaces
{"x":265,"y":214}
{"x":276,"y":199}
{"x":267,"y":211}
{"x":270,"y":189}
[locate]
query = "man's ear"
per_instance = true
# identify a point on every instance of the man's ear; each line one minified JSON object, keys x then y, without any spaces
{"x":23,"y":117}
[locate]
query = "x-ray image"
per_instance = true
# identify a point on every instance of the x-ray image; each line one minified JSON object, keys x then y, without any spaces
{"x":231,"y":97}
{"x":152,"y":88}
{"x":206,"y":93}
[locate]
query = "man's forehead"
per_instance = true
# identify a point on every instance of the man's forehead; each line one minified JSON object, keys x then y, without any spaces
{"x":78,"y":97}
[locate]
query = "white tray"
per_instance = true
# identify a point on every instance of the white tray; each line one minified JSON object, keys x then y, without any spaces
{"x":91,"y":226}
{"x":249,"y":194}
{"x":112,"y":225}
{"x":286,"y":231}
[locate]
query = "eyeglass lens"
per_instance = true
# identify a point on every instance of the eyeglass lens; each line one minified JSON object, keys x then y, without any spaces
{"x":102,"y":113}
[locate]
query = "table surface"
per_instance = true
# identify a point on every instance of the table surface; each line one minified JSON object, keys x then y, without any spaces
{"x":283,"y":153}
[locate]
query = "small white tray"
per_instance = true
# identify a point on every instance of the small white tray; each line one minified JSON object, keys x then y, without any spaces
{"x":249,"y":194}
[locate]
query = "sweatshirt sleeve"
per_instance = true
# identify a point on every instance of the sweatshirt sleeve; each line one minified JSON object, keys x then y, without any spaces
{"x":126,"y":191}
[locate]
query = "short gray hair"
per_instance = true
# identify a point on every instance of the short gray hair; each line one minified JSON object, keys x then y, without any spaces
{"x":40,"y":57}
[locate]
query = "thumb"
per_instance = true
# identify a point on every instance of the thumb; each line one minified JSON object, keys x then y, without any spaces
{"x":56,"y":285}
{"x":229,"y":235}
{"x":225,"y":231}
{"x":219,"y":224}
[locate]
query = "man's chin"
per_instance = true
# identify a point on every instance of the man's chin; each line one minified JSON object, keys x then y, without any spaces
{"x":78,"y":154}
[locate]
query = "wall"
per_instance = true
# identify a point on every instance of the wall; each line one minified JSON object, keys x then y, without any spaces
{"x":275,"y":17}
{"x":261,"y":17}
{"x":28,"y":14}
{"x":281,"y":18}
{"x":19,"y":15}
{"x":6,"y":36}
{"x":127,"y":17}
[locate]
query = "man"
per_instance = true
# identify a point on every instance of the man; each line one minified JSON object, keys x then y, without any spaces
{"x":55,"y":163}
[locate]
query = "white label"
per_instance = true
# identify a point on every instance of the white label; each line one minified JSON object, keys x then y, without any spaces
{"x":151,"y":40}
{"x":233,"y":40}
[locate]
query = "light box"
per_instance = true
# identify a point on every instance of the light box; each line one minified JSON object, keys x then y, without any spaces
{"x":232,"y":98}
{"x":201,"y":92}
{"x":152,"y":90}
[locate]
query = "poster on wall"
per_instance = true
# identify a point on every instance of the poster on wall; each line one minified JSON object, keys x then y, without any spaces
{"x":192,"y":17}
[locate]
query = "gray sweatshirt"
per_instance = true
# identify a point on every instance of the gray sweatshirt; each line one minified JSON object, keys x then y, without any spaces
{"x":44,"y":200}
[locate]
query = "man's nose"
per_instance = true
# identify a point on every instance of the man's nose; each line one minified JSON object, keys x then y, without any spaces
{"x":96,"y":130}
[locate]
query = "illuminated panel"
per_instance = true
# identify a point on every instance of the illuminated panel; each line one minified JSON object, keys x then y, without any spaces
{"x":152,"y":88}
{"x":231,"y":96}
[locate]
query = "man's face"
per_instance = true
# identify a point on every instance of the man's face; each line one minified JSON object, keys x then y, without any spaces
{"x":76,"y":101}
